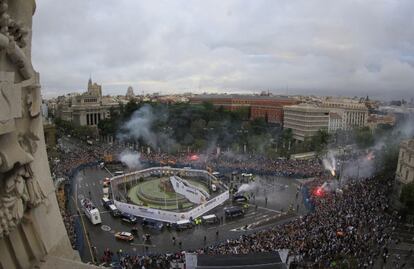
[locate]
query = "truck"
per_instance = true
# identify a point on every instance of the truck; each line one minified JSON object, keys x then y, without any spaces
{"x":91,"y":212}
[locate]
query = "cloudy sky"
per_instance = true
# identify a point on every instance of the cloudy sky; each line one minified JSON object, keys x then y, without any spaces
{"x":349,"y":47}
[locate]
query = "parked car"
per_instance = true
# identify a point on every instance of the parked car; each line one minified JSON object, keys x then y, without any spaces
{"x":106,"y":182}
{"x":183,"y":225}
{"x":210,"y":219}
{"x":152,"y":224}
{"x":126,"y":236}
{"x":114,"y":211}
{"x":233,"y":211}
{"x":128,"y":218}
{"x":106,"y":202}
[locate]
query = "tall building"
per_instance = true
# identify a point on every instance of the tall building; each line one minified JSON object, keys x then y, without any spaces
{"x":353,"y":113}
{"x":130,"y":93}
{"x":86,"y":109}
{"x":94,"y":89}
{"x":335,"y":122}
{"x":405,"y":167}
{"x":268,"y":107}
{"x":305,"y":120}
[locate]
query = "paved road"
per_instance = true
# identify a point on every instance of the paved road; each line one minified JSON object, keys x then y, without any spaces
{"x":280,"y":193}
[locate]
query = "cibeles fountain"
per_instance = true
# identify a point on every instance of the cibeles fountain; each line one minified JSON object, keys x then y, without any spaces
{"x":32,"y":232}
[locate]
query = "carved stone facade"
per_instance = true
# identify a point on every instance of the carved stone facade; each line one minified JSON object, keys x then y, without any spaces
{"x":30,"y":222}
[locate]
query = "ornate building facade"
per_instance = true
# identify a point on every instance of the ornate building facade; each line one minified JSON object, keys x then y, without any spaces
{"x":405,"y":168}
{"x":88,"y":108}
{"x":352,"y":113}
{"x":31,"y":226}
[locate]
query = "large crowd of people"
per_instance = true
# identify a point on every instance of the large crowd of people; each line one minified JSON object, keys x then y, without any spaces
{"x":349,"y":224}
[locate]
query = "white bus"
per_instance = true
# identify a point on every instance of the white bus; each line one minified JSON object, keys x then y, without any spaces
{"x":91,"y":211}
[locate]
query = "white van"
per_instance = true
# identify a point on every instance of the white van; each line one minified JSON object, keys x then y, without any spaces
{"x":183,"y":225}
{"x":114,"y":211}
{"x":210,"y":219}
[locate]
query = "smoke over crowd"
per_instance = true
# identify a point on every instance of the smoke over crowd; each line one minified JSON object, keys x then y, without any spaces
{"x":140,"y":128}
{"x":131,"y":159}
{"x":329,"y":163}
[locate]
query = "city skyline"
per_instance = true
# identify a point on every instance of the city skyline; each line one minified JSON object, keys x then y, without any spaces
{"x":342,"y":48}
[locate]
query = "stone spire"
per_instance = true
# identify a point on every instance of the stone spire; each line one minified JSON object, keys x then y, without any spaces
{"x":90,"y":82}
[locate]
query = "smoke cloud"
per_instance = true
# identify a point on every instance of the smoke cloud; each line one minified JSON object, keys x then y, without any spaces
{"x":139,"y":128}
{"x":329,"y":163}
{"x":130,"y":159}
{"x":252,"y":186}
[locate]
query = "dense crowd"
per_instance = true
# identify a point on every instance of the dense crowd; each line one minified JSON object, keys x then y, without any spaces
{"x":351,"y":224}
{"x":347,"y":225}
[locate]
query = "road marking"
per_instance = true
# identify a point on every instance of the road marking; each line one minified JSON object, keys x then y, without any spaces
{"x":250,"y":214}
{"x":105,"y":228}
{"x":268,"y":209}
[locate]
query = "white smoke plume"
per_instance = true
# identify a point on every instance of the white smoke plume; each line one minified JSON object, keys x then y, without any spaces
{"x":131,"y":159}
{"x":329,"y":163}
{"x":362,"y":167}
{"x":234,"y":156}
{"x":139,"y":127}
{"x":252,"y":186}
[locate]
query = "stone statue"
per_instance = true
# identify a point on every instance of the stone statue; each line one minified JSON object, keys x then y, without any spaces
{"x":31,"y":226}
{"x":20,"y":189}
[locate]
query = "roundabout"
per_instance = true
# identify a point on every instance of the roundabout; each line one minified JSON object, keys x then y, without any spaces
{"x":168,"y":194}
{"x":153,"y":193}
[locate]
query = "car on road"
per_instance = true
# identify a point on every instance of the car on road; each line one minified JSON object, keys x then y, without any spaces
{"x":106,"y":182}
{"x":126,"y":236}
{"x":210,"y":219}
{"x":233,"y":212}
{"x":128,"y":218}
{"x":106,"y":202}
{"x":114,"y":211}
{"x":240,"y":198}
{"x":183,"y":225}
{"x":152,"y":224}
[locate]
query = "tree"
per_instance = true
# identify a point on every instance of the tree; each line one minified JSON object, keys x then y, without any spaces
{"x":129,"y":108}
{"x":319,"y":141}
{"x":258,"y":126}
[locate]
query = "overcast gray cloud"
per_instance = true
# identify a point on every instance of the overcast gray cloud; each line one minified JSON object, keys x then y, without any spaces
{"x":353,"y":47}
